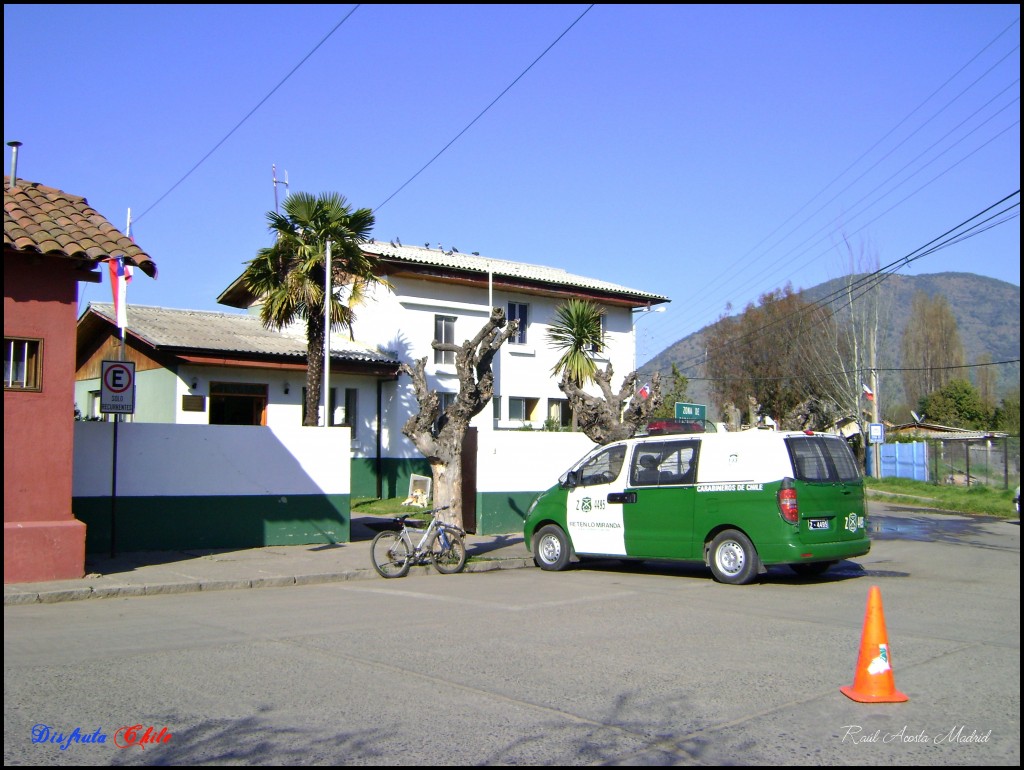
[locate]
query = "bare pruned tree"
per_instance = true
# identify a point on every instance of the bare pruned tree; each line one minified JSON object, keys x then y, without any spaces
{"x":845,"y":353}
{"x":439,"y":435}
{"x":611,"y":416}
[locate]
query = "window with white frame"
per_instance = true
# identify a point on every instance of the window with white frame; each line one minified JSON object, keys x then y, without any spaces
{"x":351,"y":401}
{"x":522,"y":409}
{"x":559,"y":412}
{"x":348,"y":417}
{"x":23,"y":364}
{"x":519,"y":311}
{"x":444,"y":333}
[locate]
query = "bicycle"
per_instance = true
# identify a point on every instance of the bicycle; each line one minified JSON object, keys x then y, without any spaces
{"x":442,"y":545}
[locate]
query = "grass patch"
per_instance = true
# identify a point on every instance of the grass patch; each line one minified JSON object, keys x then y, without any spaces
{"x":977,"y":498}
{"x":389,"y":506}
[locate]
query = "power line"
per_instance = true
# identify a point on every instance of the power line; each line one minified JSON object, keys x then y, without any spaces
{"x":250,"y":113}
{"x":859,"y":370}
{"x":731,"y":269}
{"x":872,"y":280}
{"x":485,"y":109}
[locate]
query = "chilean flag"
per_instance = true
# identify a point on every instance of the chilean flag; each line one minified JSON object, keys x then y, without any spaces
{"x":645,"y":391}
{"x":120,"y":275}
{"x":868,"y":393}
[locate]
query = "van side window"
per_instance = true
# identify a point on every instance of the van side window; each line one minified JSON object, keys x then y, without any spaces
{"x":669,"y":462}
{"x":602,"y":468}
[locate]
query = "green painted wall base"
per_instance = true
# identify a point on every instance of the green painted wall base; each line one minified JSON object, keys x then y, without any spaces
{"x":394,"y":476}
{"x":502,"y":513}
{"x":185,"y":523}
{"x":497,"y":513}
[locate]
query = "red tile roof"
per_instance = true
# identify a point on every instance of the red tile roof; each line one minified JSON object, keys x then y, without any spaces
{"x":49,"y":221}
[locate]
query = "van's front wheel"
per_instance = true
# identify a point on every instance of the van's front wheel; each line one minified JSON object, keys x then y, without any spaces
{"x":551,"y":548}
{"x":732,"y":558}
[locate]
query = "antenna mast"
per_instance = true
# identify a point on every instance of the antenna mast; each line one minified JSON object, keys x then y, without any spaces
{"x":273,"y":169}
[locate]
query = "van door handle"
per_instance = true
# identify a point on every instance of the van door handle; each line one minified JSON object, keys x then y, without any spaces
{"x":622,"y":497}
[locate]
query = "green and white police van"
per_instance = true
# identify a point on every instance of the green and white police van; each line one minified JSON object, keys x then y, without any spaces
{"x":736,"y":501}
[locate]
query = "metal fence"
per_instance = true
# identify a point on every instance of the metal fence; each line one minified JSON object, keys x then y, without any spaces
{"x":993,"y":462}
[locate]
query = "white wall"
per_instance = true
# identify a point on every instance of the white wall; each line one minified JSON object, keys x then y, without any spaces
{"x":526,"y":461}
{"x":155,"y":459}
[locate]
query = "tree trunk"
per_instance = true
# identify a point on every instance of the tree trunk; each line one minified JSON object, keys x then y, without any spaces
{"x":314,"y":369}
{"x":439,"y":436}
{"x":447,"y":475}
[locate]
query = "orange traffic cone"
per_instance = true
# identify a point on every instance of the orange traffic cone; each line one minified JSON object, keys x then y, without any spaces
{"x":873,"y":680}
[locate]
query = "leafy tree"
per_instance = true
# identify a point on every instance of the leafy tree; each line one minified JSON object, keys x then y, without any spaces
{"x":289,"y":277}
{"x":612,"y":415}
{"x":758,"y":357}
{"x":956,"y":404}
{"x":439,"y":435}
{"x":931,"y":347}
{"x":985,"y":381}
{"x":1007,"y":415}
{"x":676,"y":393}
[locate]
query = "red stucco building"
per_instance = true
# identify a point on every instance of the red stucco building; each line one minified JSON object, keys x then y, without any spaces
{"x":52,"y":241}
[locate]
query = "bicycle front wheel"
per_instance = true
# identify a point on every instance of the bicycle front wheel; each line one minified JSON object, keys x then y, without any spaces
{"x":391,"y":557}
{"x":448,"y":560}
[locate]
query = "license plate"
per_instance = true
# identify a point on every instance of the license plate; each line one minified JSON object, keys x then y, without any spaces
{"x":817,"y":523}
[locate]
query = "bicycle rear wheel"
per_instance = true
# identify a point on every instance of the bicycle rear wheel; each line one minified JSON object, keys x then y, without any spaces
{"x":391,"y":556}
{"x":448,"y":560}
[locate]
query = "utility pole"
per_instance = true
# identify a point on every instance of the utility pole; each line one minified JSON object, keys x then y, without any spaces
{"x":876,"y":466}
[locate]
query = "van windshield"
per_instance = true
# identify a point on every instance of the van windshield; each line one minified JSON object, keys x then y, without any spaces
{"x":600,"y":468}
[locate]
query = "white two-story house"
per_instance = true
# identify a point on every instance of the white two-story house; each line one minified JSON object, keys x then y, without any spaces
{"x":228,"y":369}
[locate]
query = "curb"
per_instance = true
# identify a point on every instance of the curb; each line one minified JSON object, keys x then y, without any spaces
{"x":124,"y":590}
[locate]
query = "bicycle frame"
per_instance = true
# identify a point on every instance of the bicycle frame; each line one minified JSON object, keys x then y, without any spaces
{"x":436,"y":530}
{"x":441,"y":544}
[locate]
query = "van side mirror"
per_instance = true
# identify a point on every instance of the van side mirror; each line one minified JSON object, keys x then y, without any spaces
{"x":571,"y":480}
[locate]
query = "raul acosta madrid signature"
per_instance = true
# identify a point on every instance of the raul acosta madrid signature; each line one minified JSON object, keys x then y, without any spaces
{"x":956,"y":734}
{"x":124,"y":737}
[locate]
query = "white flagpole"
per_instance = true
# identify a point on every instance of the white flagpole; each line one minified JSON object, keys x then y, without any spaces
{"x":326,"y":379}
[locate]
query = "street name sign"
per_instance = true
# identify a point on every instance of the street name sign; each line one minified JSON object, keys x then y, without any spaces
{"x":690,"y":411}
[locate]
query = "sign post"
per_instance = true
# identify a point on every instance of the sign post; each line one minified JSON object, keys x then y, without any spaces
{"x":876,"y":435}
{"x":117,"y":396}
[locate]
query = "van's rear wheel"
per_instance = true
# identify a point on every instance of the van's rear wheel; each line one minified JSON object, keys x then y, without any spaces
{"x":551,"y":548}
{"x":732,"y":558}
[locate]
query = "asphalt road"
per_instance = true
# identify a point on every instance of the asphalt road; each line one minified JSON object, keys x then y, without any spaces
{"x":606,"y":664}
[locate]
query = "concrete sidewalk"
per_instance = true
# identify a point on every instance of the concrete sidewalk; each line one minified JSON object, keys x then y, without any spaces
{"x":161,"y":572}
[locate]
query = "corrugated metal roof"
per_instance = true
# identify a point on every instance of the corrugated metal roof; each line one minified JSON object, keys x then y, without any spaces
{"x":228,"y":333}
{"x":46,"y":220}
{"x":453,"y":259}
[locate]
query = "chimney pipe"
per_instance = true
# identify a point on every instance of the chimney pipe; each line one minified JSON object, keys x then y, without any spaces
{"x":14,"y":145}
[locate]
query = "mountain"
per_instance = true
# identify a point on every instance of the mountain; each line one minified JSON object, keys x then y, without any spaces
{"x":987,"y":313}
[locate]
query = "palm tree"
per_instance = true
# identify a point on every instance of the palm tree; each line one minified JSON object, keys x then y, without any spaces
{"x":289,"y":276}
{"x":577,"y":333}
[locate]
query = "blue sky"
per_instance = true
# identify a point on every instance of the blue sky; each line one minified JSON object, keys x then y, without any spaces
{"x":707,"y":153}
